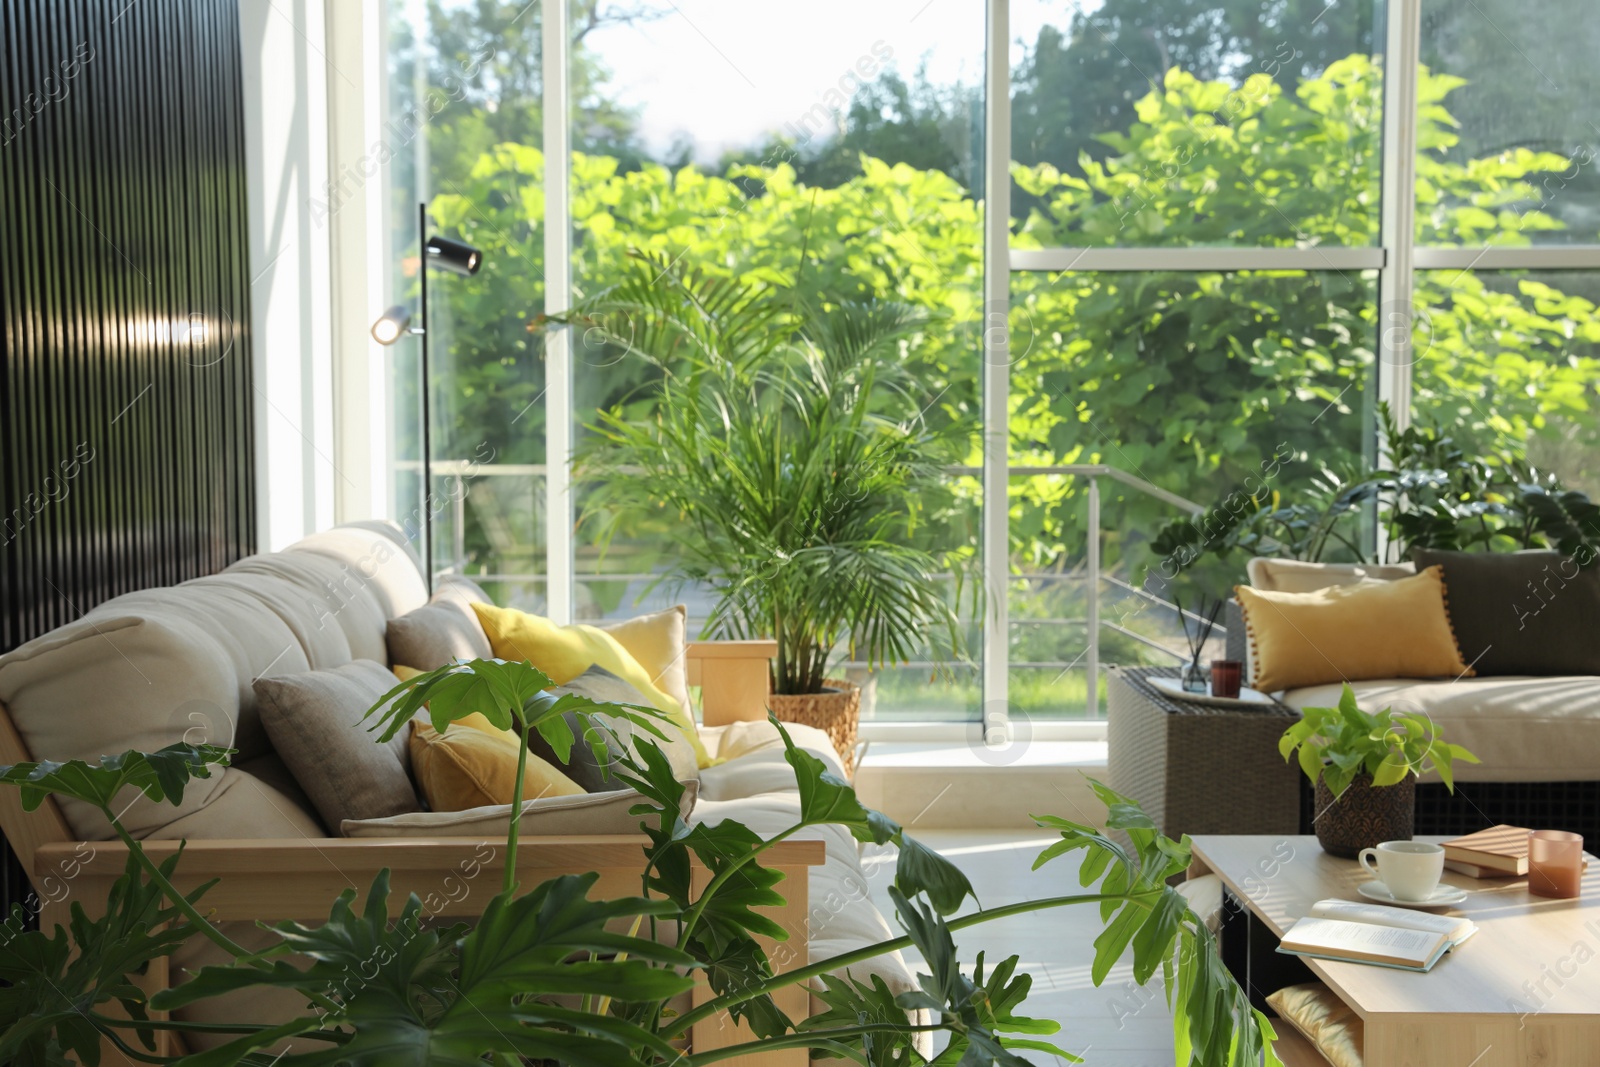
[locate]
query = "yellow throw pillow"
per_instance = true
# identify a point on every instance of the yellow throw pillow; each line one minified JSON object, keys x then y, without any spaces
{"x":1332,"y":1027}
{"x":658,"y":642}
{"x":473,"y":764}
{"x":564,"y":652}
{"x":1394,"y":629}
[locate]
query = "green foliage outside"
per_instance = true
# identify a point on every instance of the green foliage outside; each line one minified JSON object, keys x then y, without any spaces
{"x":1191,"y":380}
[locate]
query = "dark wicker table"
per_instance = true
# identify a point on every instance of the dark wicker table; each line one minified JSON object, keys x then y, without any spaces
{"x":1197,"y":768}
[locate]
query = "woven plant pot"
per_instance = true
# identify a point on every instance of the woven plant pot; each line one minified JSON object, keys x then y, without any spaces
{"x":1364,"y":814}
{"x":836,"y":711}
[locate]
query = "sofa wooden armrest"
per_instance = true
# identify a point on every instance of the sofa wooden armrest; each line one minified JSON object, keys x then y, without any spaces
{"x":281,"y":879}
{"x":734,"y":678}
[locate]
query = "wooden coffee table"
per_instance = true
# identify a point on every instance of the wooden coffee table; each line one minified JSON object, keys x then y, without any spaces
{"x":1524,"y":990}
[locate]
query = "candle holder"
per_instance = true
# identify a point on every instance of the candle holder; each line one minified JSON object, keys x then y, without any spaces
{"x":1555,"y":863}
{"x":1227,"y":678}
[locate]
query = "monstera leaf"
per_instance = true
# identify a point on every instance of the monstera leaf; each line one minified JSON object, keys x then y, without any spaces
{"x":161,"y":776}
{"x":411,"y":995}
{"x":53,"y":983}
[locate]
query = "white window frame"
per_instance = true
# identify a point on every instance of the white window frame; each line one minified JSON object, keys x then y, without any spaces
{"x":363,"y":410}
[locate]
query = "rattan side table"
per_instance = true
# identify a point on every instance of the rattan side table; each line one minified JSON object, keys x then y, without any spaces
{"x":1197,"y":768}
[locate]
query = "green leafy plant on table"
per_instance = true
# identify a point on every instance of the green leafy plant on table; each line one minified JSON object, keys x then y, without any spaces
{"x":552,"y":975}
{"x":786,"y":439}
{"x":1336,"y":745}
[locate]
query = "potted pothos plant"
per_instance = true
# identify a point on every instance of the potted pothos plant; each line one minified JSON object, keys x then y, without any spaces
{"x":548,"y":974}
{"x":1365,"y":767}
{"x":787,"y":446}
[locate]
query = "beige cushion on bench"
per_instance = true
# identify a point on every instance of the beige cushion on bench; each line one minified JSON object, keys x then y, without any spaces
{"x":1523,"y":729}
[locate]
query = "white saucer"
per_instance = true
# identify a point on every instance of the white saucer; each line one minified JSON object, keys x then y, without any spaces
{"x":1443,"y":895}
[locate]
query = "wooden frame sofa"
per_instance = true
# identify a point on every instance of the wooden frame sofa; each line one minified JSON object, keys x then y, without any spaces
{"x":72,"y":857}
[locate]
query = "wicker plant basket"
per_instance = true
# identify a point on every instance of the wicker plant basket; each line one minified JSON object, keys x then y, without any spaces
{"x":836,"y":711}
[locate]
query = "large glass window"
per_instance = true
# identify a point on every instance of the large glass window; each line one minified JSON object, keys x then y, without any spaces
{"x":1199,"y":275}
{"x":1509,"y":153}
{"x":462,"y":127}
{"x":1142,"y":124}
{"x":1190,"y":385}
{"x":1510,"y":361}
{"x":830,"y":151}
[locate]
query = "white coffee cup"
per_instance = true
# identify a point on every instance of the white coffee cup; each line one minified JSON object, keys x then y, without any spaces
{"x":1410,"y":869}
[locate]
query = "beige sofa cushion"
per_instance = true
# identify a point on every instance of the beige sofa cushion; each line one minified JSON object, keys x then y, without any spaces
{"x":842,"y":917}
{"x":1523,"y":729}
{"x":373,"y":557}
{"x":1297,"y":576}
{"x":314,"y":720}
{"x":143,"y":672}
{"x":336,"y":601}
{"x":258,"y":799}
{"x":581,"y":813}
{"x":442,"y":630}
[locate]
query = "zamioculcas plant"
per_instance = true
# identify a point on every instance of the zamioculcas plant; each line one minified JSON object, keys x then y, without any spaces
{"x":552,"y":975}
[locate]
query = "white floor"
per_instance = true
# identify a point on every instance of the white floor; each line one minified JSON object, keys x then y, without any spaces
{"x":1116,"y":1025}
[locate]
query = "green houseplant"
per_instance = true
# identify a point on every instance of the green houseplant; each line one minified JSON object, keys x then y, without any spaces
{"x":1428,"y":493}
{"x":1365,"y":768}
{"x":786,"y":441}
{"x":551,"y":975}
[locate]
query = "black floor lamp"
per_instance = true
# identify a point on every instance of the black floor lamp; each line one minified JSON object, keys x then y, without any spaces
{"x":457,"y":258}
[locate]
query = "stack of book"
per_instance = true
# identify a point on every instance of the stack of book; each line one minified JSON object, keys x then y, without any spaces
{"x":1498,"y":852}
{"x":1374,"y":933}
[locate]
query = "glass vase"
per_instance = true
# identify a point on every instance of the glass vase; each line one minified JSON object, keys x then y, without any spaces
{"x":1192,"y":678}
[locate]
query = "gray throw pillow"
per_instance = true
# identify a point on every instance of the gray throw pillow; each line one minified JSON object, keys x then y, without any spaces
{"x":314,"y":721}
{"x":594,"y":774}
{"x":443,"y":630}
{"x":1521,"y":612}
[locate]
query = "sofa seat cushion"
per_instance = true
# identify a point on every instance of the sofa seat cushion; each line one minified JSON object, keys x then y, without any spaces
{"x":258,"y":798}
{"x":1524,"y":729}
{"x":842,"y":917}
{"x":584,"y":814}
{"x":759,"y":742}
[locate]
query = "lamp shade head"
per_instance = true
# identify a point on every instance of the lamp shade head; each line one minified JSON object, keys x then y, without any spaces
{"x":453,"y":256}
{"x":391,"y":325}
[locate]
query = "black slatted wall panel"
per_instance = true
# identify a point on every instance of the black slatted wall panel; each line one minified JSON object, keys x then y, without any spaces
{"x":125,"y":446}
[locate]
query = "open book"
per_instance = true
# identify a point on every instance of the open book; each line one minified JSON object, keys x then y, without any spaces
{"x":1372,"y":933}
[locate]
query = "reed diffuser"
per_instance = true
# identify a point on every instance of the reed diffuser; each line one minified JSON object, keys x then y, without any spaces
{"x":1193,"y":676}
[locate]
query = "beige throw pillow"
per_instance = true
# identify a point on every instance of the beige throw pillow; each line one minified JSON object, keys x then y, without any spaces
{"x":1333,"y":1028}
{"x":314,"y":721}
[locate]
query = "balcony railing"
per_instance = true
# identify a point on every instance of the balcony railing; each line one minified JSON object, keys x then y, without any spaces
{"x":453,"y":552}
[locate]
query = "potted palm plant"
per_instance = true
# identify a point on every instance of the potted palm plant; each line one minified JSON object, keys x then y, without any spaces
{"x":1365,"y":769}
{"x":787,"y":443}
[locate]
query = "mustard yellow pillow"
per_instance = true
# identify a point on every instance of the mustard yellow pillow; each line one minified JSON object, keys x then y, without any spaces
{"x":473,"y":764}
{"x":1332,"y":1027}
{"x":564,"y":652}
{"x":1395,"y":629}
